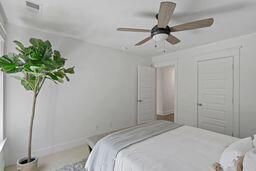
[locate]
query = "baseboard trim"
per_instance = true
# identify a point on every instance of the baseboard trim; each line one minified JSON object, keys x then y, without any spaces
{"x":52,"y":149}
{"x":2,"y":163}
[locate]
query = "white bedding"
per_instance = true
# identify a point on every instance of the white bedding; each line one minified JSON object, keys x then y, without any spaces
{"x":183,"y":149}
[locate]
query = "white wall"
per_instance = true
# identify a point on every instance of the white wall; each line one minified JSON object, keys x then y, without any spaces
{"x":187,"y":83}
{"x":165,"y":90}
{"x":101,"y":96}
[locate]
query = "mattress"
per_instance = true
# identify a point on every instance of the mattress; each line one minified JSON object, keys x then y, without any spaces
{"x":183,"y":149}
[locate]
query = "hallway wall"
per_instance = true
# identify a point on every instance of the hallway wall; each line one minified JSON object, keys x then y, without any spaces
{"x":165,"y":90}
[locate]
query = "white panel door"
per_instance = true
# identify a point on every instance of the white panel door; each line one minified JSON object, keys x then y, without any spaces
{"x":146,"y":94}
{"x":215,"y":95}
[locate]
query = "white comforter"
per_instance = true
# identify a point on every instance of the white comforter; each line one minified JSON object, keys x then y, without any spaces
{"x":183,"y":149}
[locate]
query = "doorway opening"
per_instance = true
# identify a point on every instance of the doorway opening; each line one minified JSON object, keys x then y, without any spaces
{"x":165,"y":93}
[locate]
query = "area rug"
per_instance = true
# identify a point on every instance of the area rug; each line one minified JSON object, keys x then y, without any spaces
{"x":79,"y":166}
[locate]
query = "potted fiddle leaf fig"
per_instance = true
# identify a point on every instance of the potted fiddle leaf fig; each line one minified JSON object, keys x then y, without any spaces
{"x":32,"y":66}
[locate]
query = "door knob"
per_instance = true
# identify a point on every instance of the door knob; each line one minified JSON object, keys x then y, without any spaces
{"x":199,"y":104}
{"x":139,"y":101}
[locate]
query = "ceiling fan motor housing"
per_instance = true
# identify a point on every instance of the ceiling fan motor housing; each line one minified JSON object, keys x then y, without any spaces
{"x":159,"y":34}
{"x":156,"y":30}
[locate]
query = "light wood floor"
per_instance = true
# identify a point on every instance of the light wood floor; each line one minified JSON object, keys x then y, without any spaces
{"x":58,"y":160}
{"x":169,"y":117}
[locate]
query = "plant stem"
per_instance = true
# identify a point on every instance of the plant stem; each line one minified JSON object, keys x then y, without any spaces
{"x":40,"y":86}
{"x":31,"y":126}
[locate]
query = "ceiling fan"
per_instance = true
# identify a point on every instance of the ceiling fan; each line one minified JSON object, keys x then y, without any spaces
{"x":162,"y":31}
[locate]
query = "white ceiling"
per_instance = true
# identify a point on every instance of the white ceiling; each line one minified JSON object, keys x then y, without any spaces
{"x":95,"y":21}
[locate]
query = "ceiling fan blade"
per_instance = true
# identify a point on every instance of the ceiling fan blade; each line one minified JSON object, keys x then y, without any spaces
{"x":193,"y":25}
{"x":172,"y":39}
{"x":165,"y":13}
{"x":143,"y":41}
{"x":133,"y":30}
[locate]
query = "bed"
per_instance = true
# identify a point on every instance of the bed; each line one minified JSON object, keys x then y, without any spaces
{"x":184,"y":148}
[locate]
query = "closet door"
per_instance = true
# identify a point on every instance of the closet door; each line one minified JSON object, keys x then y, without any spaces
{"x":215,"y":95}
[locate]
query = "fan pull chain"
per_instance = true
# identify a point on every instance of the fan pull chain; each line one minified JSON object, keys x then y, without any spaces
{"x":155,"y":44}
{"x":164,"y":50}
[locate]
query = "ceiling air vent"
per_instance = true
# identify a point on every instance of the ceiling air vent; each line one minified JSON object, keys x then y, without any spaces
{"x":33,"y":6}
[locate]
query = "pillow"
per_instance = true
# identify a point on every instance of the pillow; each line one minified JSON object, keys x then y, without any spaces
{"x":217,"y":167}
{"x":249,"y":162}
{"x":240,"y":166}
{"x":230,"y":157}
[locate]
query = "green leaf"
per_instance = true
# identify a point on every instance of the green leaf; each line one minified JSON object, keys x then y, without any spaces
{"x":36,"y":42}
{"x":27,"y":68}
{"x":56,"y":55}
{"x":52,"y":76}
{"x":7,"y":58}
{"x":70,"y":70}
{"x":32,"y":80}
{"x":25,"y":84}
{"x":20,"y":45}
{"x":35,"y":55}
{"x":49,"y":65}
{"x":10,"y":64}
{"x":59,"y":74}
{"x":34,"y":68}
{"x":59,"y":61}
{"x":48,"y":44}
{"x":48,"y":53}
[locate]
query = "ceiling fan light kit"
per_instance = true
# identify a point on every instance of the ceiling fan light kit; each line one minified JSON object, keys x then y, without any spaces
{"x":160,"y":34}
{"x":162,"y":31}
{"x":160,"y":37}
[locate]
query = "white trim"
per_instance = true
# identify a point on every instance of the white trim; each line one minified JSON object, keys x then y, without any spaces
{"x":1,"y":107}
{"x":2,"y":30}
{"x":2,"y":143}
{"x":236,"y":127}
{"x":2,"y":162}
{"x":1,"y":94}
{"x":3,"y":21}
{"x":235,"y":53}
{"x":173,"y":63}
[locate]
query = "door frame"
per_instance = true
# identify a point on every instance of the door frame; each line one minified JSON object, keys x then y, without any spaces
{"x":174,"y":65}
{"x":235,"y":54}
{"x":1,"y":93}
